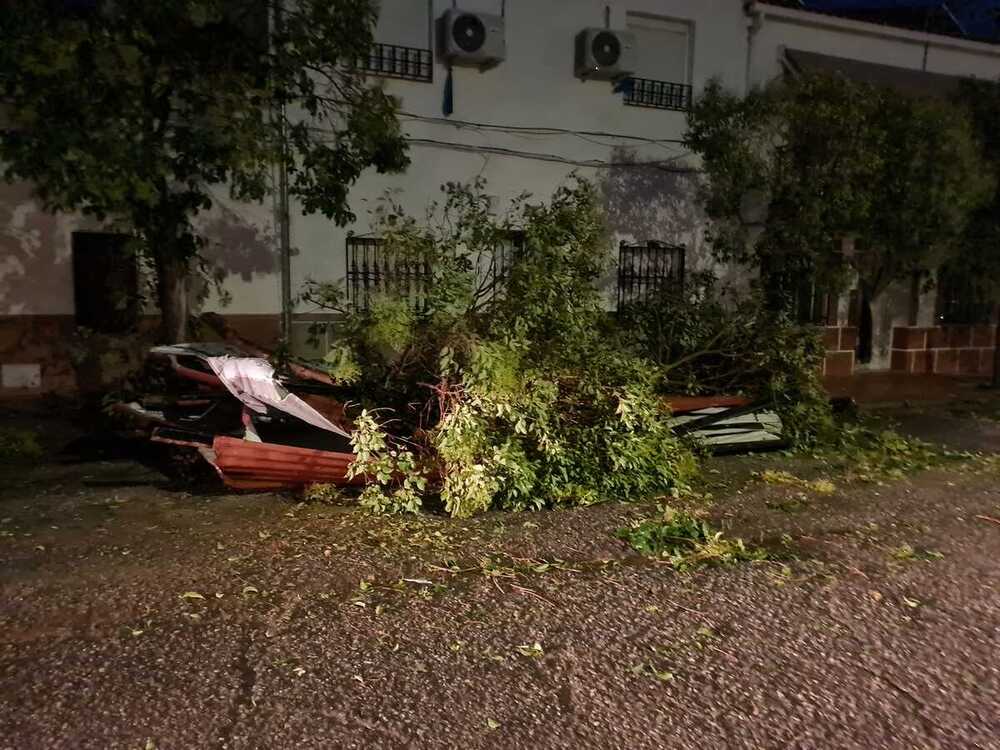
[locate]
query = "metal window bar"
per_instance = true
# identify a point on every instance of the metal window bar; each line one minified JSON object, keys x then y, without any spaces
{"x":374,"y":270}
{"x":397,"y":61}
{"x":812,"y":304}
{"x":645,"y":92}
{"x":645,"y":271}
{"x":796,"y":292}
{"x":506,"y":254}
{"x":961,"y":302}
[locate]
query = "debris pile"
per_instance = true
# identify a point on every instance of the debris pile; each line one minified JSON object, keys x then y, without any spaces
{"x":257,"y":429}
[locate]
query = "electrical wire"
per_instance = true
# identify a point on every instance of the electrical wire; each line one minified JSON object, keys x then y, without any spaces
{"x":536,"y":130}
{"x":663,"y":165}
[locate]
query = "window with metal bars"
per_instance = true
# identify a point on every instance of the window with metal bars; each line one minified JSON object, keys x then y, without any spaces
{"x":644,"y":271}
{"x":962,"y":299}
{"x":645,"y":92}
{"x":397,"y":61}
{"x":373,"y":269}
{"x":796,"y":292}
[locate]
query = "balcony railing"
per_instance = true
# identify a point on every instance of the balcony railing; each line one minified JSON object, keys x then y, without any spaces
{"x":645,"y":92}
{"x":396,"y":61}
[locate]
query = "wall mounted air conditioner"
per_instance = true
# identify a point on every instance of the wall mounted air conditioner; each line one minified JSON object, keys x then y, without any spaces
{"x":605,"y":54}
{"x":468,"y":38}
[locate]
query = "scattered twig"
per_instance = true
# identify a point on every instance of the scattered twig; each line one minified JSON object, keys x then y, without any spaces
{"x":530,"y":592}
{"x":990,"y":519}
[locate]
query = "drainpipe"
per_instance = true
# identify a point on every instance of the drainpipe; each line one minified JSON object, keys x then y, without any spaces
{"x":754,"y":24}
{"x":284,"y":238}
{"x":282,"y":212}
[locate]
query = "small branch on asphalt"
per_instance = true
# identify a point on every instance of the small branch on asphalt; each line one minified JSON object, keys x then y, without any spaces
{"x":990,"y":519}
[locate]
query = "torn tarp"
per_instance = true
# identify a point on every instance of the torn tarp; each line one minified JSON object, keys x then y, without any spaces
{"x":252,"y":381}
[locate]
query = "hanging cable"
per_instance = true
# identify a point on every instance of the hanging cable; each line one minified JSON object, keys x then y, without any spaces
{"x":662,"y":165}
{"x":536,"y":129}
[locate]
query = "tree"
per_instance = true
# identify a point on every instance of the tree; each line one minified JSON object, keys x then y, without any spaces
{"x":819,"y":158}
{"x":134,"y":111}
{"x":979,"y":261}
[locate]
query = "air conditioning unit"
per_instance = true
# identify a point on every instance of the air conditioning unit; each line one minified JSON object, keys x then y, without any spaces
{"x":605,"y":54}
{"x":468,"y":38}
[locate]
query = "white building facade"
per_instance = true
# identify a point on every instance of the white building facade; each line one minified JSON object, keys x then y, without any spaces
{"x":524,"y":124}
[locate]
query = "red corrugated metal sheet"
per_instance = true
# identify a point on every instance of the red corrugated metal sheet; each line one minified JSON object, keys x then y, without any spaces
{"x":681,"y":404}
{"x":266,"y":465}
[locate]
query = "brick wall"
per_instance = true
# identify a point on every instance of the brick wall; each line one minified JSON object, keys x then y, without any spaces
{"x":944,"y":350}
{"x":840,"y":343}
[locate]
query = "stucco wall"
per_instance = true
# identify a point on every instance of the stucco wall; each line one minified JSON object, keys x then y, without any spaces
{"x":811,"y":32}
{"x":535,"y":87}
{"x":36,"y":259}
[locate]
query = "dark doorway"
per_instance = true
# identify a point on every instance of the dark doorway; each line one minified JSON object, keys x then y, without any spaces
{"x":105,"y":282}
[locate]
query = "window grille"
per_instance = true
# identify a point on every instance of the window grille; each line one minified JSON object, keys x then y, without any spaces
{"x":647,"y":270}
{"x":397,"y":61}
{"x":645,"y":92}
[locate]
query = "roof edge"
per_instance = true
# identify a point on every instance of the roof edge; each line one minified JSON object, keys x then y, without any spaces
{"x":763,"y":10}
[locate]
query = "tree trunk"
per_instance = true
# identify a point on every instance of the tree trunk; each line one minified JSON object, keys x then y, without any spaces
{"x":171,"y":290}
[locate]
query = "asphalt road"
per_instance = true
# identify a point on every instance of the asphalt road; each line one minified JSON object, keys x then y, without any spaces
{"x":135,"y":617}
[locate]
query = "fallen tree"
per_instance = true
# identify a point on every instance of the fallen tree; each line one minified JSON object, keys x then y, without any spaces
{"x":507,"y":384}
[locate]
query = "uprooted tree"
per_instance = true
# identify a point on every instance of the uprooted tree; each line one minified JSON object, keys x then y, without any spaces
{"x":134,"y":112}
{"x":795,"y":168}
{"x":488,"y":372}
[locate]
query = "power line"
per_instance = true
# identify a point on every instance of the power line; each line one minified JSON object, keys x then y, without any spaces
{"x":537,"y":130}
{"x":663,"y":165}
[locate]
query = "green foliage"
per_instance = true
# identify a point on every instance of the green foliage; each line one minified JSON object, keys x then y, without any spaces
{"x":394,"y":479}
{"x":822,"y":158}
{"x":323,"y":493}
{"x":19,"y":445}
{"x":132,"y":111}
{"x":714,"y":341}
{"x":510,"y":383}
{"x":686,"y":542}
{"x":341,"y":365}
{"x":979,"y":261}
{"x":872,"y":453}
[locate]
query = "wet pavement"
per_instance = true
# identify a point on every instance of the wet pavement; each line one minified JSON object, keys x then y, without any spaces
{"x":134,"y":617}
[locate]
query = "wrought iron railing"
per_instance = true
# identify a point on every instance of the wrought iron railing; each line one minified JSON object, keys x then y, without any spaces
{"x":645,"y":92}
{"x":397,"y":61}
{"x":644,"y":271}
{"x":373,"y":270}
